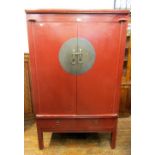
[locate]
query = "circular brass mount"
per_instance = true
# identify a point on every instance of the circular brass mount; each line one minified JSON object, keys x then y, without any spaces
{"x":77,"y":55}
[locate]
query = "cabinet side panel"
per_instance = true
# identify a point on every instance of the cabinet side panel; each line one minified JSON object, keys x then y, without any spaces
{"x":122,"y":44}
{"x":32,"y":65}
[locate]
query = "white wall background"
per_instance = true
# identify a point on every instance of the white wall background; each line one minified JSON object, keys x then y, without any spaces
{"x":67,"y":4}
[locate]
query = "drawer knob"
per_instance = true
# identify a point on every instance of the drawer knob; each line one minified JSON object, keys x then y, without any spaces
{"x":95,"y":122}
{"x":57,"y":122}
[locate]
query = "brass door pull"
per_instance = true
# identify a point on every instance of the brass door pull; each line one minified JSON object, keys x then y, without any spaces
{"x":77,"y":57}
{"x":80,"y":55}
{"x":73,"y":57}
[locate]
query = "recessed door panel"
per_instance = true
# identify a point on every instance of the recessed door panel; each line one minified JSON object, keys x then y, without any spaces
{"x":56,"y":88}
{"x":96,"y":88}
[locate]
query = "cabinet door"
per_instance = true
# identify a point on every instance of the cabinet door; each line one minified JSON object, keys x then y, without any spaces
{"x":56,"y":88}
{"x":97,"y":88}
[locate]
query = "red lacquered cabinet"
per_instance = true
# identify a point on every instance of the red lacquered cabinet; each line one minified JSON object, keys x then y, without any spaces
{"x":76,"y":59}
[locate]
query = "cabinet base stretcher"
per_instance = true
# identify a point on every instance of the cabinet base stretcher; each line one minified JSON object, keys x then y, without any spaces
{"x":73,"y":125}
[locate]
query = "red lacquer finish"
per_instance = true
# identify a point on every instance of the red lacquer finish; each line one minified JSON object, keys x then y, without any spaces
{"x":96,"y":87}
{"x":64,"y":102}
{"x":54,"y":85}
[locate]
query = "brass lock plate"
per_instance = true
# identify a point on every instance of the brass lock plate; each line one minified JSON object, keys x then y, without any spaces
{"x":77,"y":55}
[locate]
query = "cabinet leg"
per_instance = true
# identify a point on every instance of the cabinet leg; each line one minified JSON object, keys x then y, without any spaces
{"x":113,"y":139}
{"x":40,"y":139}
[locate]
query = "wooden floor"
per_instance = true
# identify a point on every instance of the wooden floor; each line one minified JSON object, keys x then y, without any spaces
{"x":78,"y":143}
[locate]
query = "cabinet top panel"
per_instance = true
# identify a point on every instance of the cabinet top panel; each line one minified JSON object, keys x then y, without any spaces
{"x":67,"y":11}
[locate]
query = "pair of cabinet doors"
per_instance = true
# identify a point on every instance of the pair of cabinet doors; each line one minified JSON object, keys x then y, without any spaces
{"x":76,"y":66}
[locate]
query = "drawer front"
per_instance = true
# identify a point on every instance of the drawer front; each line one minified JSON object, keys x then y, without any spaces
{"x":71,"y":125}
